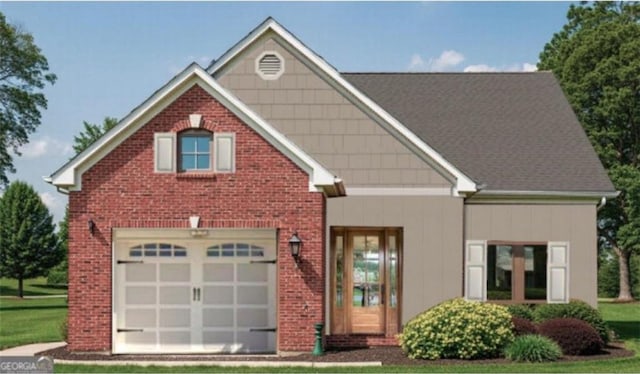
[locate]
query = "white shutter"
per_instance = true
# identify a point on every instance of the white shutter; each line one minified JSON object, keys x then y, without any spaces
{"x":224,"y":147}
{"x":475,"y":280}
{"x":558,"y":272}
{"x":164,"y":152}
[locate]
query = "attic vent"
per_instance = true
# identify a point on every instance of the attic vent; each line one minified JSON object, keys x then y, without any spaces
{"x":270,"y":65}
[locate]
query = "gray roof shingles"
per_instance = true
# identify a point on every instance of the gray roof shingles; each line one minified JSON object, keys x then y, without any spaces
{"x":510,"y":131}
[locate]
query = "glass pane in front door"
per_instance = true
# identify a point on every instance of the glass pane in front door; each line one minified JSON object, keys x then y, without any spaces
{"x":367,"y":283}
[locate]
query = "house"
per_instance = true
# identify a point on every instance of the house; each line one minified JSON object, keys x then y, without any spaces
{"x":399,"y":190}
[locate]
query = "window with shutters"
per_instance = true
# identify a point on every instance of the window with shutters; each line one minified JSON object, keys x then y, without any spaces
{"x":194,"y":151}
{"x":270,"y":65}
{"x":517,"y":272}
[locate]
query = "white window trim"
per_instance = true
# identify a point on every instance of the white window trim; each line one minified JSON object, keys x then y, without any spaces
{"x":216,"y":136}
{"x":270,"y":77}
{"x":179,"y":153}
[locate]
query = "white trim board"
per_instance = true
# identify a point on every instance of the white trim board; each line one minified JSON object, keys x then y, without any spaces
{"x":69,"y":176}
{"x":462,"y":182}
{"x":400,"y":191}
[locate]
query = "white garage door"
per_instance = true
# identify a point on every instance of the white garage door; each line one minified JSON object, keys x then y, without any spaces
{"x":195,"y":295}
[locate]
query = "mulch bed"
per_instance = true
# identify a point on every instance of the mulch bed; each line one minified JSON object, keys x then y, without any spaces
{"x":386,"y":355}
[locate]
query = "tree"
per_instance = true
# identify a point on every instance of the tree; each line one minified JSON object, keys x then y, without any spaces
{"x":58,"y":275}
{"x":596,"y":58}
{"x":28,"y":244}
{"x":23,"y":72}
{"x":91,"y":133}
{"x":609,"y":275}
{"x":88,"y":136}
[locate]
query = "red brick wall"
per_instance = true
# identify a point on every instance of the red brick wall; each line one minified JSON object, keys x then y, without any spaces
{"x":360,"y":340}
{"x":267,"y":190}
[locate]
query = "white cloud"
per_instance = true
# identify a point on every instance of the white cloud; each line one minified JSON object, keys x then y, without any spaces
{"x":50,"y":200}
{"x":479,"y":68}
{"x":447,"y":60}
{"x":44,"y":146}
{"x":417,"y":63}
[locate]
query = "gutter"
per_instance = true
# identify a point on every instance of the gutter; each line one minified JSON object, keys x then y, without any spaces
{"x":586,"y":194}
{"x":602,"y":203}
{"x":59,"y":189}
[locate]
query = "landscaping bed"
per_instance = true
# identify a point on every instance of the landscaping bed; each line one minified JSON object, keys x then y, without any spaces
{"x":386,"y":355}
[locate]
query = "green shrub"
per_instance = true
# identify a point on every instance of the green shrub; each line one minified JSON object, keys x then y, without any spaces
{"x":574,"y":309}
{"x":58,"y":275}
{"x":574,"y":336}
{"x":521,"y":310}
{"x":523,"y":326}
{"x":64,"y":329}
{"x":57,"y":278}
{"x":533,"y":348}
{"x":458,"y":329}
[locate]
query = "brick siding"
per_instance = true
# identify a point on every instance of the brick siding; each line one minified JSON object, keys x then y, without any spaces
{"x":267,"y":190}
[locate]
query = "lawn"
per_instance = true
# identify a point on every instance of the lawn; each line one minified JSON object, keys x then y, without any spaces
{"x":623,"y":318}
{"x":38,"y":320}
{"x":32,"y":287}
{"x":24,"y":321}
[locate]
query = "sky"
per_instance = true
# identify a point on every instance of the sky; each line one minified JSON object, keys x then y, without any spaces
{"x":111,"y":56}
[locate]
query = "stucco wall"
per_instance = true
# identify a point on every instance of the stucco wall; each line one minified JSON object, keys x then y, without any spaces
{"x":432,"y":242}
{"x":519,"y":222}
{"x":322,"y":122}
{"x":266,"y":191}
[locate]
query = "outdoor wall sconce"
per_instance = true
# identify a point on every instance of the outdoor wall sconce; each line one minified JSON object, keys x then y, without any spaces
{"x":294,"y":245}
{"x":91,"y":226}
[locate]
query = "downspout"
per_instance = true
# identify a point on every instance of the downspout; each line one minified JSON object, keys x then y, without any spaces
{"x":602,"y":203}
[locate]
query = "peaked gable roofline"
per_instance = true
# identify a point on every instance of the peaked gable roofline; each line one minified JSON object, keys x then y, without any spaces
{"x":462,"y":183}
{"x":69,"y":176}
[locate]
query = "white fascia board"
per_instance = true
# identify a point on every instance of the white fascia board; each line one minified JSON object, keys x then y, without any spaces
{"x":538,"y":197}
{"x":463,"y":182}
{"x":70,"y":174}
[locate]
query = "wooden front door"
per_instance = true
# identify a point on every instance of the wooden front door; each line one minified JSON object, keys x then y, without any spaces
{"x":365,"y":281}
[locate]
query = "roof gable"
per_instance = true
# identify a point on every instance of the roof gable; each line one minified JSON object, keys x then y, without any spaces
{"x":69,"y":176}
{"x":461,"y":181}
{"x":515,"y":133}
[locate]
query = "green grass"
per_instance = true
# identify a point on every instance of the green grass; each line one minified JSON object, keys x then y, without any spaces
{"x":623,"y":318}
{"x":32,"y":287}
{"x":38,"y":320}
{"x":25,"y":321}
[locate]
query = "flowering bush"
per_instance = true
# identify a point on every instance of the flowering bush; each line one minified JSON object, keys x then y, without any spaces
{"x":533,"y":348}
{"x":458,"y":329}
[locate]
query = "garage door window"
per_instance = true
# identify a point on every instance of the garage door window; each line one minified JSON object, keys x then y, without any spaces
{"x":235,"y":250}
{"x":157,"y":250}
